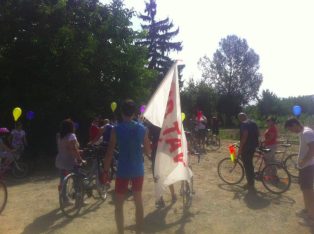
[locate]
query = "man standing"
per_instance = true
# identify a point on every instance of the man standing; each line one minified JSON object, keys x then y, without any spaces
{"x":249,"y":134}
{"x":306,"y":166}
{"x":130,"y":136}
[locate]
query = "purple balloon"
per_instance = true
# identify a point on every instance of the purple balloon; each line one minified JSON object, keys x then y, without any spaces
{"x":76,"y":125}
{"x":30,"y":115}
{"x":142,"y":109}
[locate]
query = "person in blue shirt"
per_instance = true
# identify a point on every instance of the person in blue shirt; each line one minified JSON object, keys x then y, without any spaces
{"x":131,"y":138}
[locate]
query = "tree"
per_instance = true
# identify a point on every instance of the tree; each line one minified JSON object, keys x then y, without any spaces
{"x":233,"y":73}
{"x":269,"y":104}
{"x":198,"y":96}
{"x":157,"y":38}
{"x":68,"y":59}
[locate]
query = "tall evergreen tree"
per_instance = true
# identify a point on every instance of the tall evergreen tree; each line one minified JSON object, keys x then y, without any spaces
{"x":158,"y":40}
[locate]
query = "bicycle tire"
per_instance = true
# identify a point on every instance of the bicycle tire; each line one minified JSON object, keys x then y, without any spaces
{"x":20,"y":169}
{"x":71,"y":195}
{"x":276,"y":178}
{"x":100,"y":187}
{"x":230,"y":172}
{"x":214,"y":144}
{"x":3,"y":196}
{"x":186,"y":195}
{"x":291,"y":164}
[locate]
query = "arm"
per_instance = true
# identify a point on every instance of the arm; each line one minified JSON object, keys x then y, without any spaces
{"x":24,"y":140}
{"x":243,"y":141}
{"x":309,"y":155}
{"x":75,"y":152}
{"x":110,"y":150}
{"x":147,"y":148}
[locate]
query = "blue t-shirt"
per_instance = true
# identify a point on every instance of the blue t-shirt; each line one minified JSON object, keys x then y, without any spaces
{"x":130,"y":138}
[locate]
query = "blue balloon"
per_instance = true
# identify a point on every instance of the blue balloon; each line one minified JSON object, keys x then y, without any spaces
{"x":30,"y":115}
{"x":297,"y":110}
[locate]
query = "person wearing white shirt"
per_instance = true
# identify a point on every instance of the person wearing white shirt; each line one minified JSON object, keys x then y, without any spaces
{"x":306,"y":166}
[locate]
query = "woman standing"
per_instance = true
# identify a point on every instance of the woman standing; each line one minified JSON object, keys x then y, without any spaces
{"x":69,"y":154}
{"x":270,"y":139}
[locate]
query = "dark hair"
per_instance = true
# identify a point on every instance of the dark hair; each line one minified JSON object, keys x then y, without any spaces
{"x":128,"y":108}
{"x":271,"y":118}
{"x":66,"y":127}
{"x":291,"y":122}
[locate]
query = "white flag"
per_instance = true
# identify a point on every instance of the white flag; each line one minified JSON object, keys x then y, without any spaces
{"x":171,"y":163}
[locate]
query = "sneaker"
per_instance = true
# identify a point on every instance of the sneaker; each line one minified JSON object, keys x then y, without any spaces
{"x":307,"y":222}
{"x":85,"y":203}
{"x":160,"y":204}
{"x":301,"y":213}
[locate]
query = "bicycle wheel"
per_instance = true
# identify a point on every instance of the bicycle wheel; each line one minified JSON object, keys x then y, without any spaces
{"x":3,"y":196}
{"x":214,"y":144}
{"x":20,"y":169}
{"x":101,"y":188}
{"x":230,"y":172}
{"x":186,"y":194}
{"x":291,"y":164}
{"x":71,"y":195}
{"x":276,"y":178}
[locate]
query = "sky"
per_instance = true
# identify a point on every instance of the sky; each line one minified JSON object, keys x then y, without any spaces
{"x":281,"y":32}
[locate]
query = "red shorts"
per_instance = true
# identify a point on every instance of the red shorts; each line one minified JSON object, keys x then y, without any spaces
{"x":121,"y":185}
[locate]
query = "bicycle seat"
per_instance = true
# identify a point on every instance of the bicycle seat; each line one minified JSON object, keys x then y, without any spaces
{"x":263,"y":149}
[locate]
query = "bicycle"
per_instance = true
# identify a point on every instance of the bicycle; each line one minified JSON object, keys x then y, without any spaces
{"x":290,"y":161}
{"x":3,"y":195}
{"x":212,"y":140}
{"x":186,"y":191}
{"x":82,"y":181}
{"x":274,"y":176}
{"x":19,"y":169}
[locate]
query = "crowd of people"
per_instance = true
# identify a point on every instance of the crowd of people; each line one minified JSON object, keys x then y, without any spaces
{"x":134,"y":140}
{"x":249,"y":140}
{"x":12,"y":142}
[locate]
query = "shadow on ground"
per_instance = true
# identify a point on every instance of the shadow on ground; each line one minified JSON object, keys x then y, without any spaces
{"x":55,"y":219}
{"x":257,"y":200}
{"x":155,"y":221}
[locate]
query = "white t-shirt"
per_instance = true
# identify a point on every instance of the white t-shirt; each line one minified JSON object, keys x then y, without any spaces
{"x":65,"y":159}
{"x":201,"y":123}
{"x":306,"y":137}
{"x":17,"y":138}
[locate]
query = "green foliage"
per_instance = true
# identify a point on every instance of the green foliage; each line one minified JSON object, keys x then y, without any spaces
{"x":68,"y":59}
{"x":233,"y":73}
{"x":198,"y":96}
{"x":157,"y":38}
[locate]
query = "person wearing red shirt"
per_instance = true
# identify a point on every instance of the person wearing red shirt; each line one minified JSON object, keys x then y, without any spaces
{"x":94,"y":130}
{"x":270,"y":139}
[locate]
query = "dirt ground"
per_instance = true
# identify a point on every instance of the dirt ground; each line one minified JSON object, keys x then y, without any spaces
{"x":217,"y":208}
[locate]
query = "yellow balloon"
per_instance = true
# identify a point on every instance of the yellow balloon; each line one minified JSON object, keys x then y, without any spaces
{"x":17,"y":113}
{"x":182,"y":116}
{"x":113,"y":106}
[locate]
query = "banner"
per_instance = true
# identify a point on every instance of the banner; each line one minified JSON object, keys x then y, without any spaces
{"x":171,"y":163}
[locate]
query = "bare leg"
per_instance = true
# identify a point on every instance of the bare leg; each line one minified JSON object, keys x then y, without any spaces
{"x":119,"y":212}
{"x":173,"y":195}
{"x":139,"y":211}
